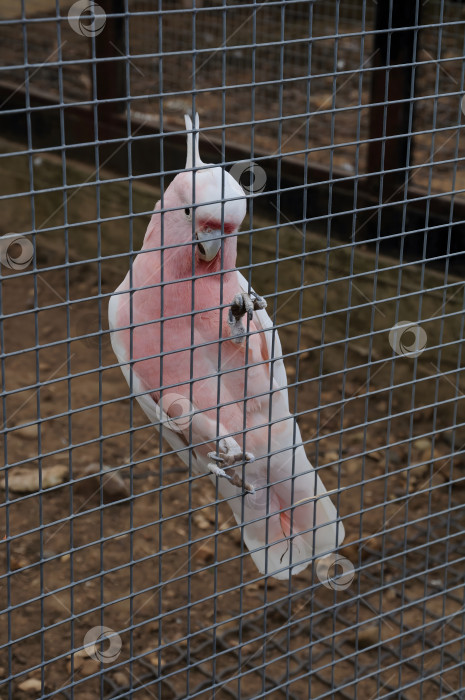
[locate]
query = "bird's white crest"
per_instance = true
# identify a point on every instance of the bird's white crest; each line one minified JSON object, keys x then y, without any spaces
{"x":218,"y":195}
{"x":193,"y":159}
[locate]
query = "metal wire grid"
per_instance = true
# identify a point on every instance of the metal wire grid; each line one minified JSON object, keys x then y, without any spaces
{"x":441,"y":50}
{"x":143,"y":68}
{"x":274,"y":678}
{"x":303,"y":640}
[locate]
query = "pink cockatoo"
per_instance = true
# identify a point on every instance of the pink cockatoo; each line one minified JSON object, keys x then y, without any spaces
{"x":178,"y":333}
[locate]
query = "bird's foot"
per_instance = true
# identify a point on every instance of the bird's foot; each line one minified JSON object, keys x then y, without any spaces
{"x":241,"y":305}
{"x":228,"y":455}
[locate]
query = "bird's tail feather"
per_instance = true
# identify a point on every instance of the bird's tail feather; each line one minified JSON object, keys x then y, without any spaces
{"x":284,"y":529}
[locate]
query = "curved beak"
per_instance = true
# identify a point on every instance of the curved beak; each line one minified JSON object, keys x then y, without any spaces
{"x":209,"y":243}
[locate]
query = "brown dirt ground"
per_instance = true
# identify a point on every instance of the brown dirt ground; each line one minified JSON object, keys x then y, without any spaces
{"x":74,"y":560}
{"x":70,"y":534}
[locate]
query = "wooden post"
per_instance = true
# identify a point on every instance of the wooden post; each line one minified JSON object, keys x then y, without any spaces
{"x":389,"y":120}
{"x":111,"y":75}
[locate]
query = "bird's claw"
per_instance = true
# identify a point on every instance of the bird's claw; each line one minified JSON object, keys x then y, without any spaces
{"x":229,"y":459}
{"x":243,"y":304}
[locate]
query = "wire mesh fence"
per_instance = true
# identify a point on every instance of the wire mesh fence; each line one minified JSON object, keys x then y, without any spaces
{"x":143,"y":553}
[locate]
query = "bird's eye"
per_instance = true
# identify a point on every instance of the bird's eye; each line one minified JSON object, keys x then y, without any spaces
{"x":187,"y":212}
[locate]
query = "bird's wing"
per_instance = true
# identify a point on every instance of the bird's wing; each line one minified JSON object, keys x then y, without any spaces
{"x":196,"y":429}
{"x":273,"y":343}
{"x":293,"y":480}
{"x":150,"y":407}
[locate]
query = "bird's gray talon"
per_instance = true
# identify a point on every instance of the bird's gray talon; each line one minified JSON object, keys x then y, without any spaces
{"x":236,"y":480}
{"x":243,"y":304}
{"x":229,"y":460}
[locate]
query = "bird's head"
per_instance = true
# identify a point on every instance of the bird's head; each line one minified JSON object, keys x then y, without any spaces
{"x":210,"y":203}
